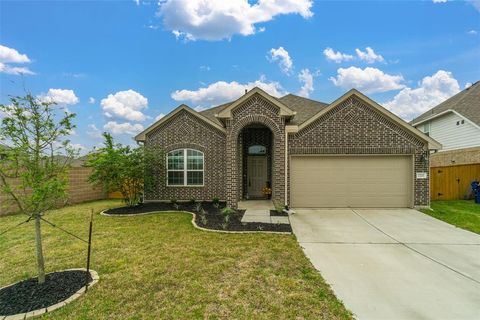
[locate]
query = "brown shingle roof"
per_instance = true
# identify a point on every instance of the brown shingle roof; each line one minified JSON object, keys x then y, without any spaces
{"x":304,"y":107}
{"x":466,"y":102}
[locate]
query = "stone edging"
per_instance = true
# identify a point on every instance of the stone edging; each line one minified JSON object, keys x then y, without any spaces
{"x":60,"y":304}
{"x":193,"y":222}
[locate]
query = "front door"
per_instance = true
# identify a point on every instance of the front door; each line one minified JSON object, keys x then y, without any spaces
{"x":256,"y":175}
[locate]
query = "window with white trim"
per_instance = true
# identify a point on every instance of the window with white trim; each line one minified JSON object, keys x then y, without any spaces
{"x":185,"y":167}
{"x":426,"y":128}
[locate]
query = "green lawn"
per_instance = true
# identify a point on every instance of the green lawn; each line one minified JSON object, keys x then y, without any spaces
{"x":160,"y":266}
{"x":461,"y":213}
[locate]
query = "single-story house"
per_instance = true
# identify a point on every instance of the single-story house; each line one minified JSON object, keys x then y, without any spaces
{"x":349,"y":153}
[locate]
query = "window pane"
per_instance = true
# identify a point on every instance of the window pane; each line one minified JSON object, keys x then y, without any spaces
{"x":175,"y":178}
{"x":194,"y":178}
{"x":194,"y":160}
{"x":257,"y":149}
{"x":175,"y":160}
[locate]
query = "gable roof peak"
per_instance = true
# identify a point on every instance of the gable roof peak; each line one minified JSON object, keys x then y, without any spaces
{"x":142,"y":135}
{"x":284,"y":110}
{"x":372,"y":104}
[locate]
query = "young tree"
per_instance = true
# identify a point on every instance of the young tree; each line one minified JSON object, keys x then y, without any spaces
{"x":122,"y":168}
{"x":35,"y":161}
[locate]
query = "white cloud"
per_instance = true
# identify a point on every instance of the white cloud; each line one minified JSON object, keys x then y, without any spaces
{"x":307,"y":79}
{"x":220,"y":19}
{"x":79,"y":147}
{"x":94,"y":132}
{"x":60,"y":96}
{"x":431,"y":91}
{"x":439,"y":1}
{"x":125,"y":104}
{"x":284,"y":61}
{"x":160,"y":116}
{"x":221,"y":91}
{"x":205,"y":68}
{"x":9,"y":55}
{"x":369,"y":55}
{"x":468,"y":85}
{"x":123,"y":128}
{"x":337,"y":57}
{"x":368,"y":80}
{"x":5,"y":68}
{"x":472,"y":32}
{"x":91,"y":100}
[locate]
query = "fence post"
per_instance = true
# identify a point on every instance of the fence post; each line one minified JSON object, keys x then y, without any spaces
{"x":89,"y":249}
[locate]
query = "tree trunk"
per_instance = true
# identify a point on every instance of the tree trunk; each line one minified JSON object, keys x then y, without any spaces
{"x":38,"y":244}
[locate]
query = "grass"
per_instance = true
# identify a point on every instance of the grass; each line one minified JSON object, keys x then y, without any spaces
{"x":160,"y":266}
{"x":464,"y":214}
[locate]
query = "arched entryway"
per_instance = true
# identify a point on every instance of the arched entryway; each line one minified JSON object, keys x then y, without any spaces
{"x":256,"y":145}
{"x":271,"y":136}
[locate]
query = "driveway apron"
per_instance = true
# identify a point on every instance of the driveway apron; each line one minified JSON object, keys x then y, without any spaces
{"x":393,"y":263}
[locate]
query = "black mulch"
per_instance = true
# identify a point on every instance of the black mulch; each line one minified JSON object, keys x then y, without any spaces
{"x":275,"y":213}
{"x":28,"y":295}
{"x":209,"y":218}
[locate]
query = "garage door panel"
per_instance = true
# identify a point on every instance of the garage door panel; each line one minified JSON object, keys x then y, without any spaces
{"x":351,"y":181}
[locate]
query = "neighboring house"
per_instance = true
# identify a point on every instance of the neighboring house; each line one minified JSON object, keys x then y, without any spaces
{"x":350,"y":153}
{"x":455,"y":123}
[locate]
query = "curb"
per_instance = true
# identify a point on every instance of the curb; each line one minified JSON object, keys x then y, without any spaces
{"x":193,"y":222}
{"x":60,"y":304}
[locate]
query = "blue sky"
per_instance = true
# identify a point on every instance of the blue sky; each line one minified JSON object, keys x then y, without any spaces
{"x":121,"y":64}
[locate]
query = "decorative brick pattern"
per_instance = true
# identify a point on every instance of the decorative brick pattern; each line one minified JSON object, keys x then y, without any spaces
{"x":355,"y":128}
{"x":256,"y":110}
{"x":186,"y":131}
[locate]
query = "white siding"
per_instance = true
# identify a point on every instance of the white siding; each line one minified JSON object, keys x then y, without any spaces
{"x":445,"y":130}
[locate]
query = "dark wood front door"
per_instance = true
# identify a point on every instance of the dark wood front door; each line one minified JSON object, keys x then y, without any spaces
{"x":256,"y":175}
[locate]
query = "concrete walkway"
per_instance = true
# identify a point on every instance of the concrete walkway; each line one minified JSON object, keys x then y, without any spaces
{"x":393,"y":263}
{"x":259,"y":211}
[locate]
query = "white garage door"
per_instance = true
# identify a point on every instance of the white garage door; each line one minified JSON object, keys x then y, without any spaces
{"x":351,"y":181}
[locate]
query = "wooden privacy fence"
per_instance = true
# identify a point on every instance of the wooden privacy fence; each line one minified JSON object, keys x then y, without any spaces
{"x":453,"y":182}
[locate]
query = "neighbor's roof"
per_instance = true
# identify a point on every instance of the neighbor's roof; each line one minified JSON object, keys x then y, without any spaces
{"x":466,"y":103}
{"x":304,"y":108}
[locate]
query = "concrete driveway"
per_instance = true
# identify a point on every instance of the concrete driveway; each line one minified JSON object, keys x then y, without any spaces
{"x":393,"y":263}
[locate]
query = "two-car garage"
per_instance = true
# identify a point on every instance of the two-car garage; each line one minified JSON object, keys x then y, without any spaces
{"x":381,"y":181}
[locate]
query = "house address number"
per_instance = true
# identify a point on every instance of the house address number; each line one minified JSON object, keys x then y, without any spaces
{"x":421,"y":175}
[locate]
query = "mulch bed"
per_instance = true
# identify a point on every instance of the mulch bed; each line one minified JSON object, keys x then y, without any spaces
{"x":275,"y":213}
{"x":28,"y":295}
{"x":210,"y":218}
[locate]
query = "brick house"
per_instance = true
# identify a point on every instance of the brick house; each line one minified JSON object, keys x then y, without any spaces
{"x":350,"y":153}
